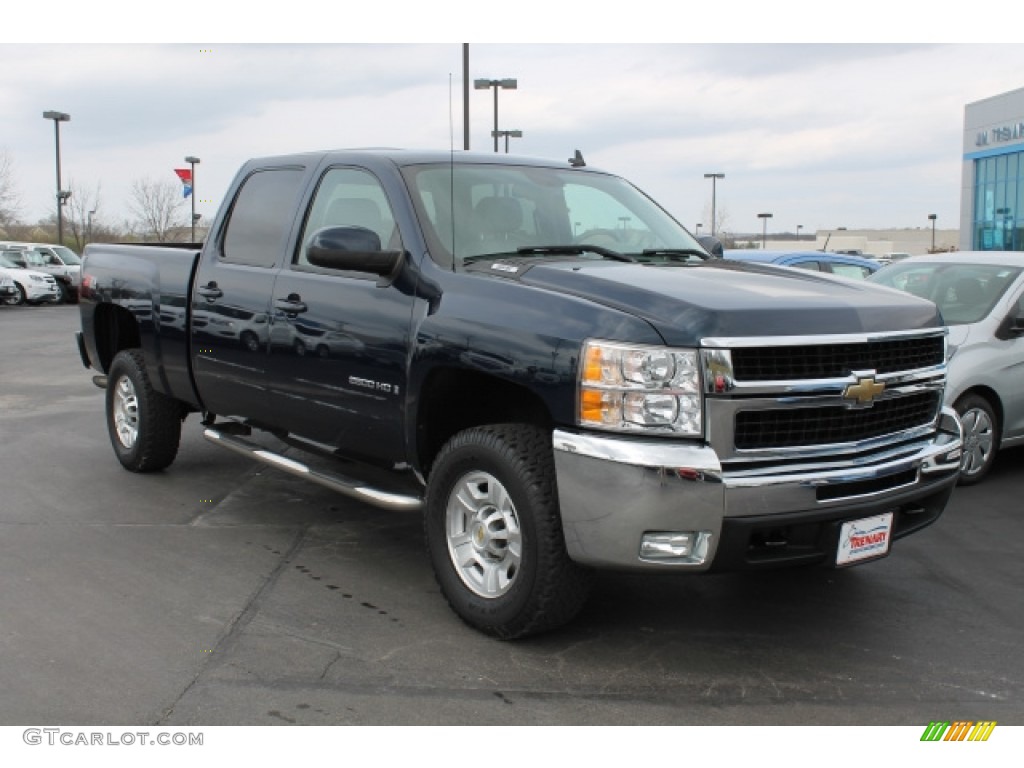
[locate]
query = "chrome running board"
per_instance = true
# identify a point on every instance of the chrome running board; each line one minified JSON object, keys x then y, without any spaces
{"x":336,"y":482}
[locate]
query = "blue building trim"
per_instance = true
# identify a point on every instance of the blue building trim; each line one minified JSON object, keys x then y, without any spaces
{"x":982,"y":154}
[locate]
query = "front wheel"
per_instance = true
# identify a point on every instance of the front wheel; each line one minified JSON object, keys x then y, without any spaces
{"x":494,"y":532}
{"x":981,"y":437}
{"x":144,"y":425}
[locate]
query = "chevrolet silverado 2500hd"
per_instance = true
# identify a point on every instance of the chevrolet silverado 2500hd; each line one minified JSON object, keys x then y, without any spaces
{"x":538,"y":357}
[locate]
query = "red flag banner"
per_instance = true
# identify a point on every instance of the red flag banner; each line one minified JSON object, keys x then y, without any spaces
{"x":185,"y":174}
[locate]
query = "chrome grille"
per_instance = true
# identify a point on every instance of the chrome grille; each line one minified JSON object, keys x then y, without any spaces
{"x":825,"y":361}
{"x":832,"y":424}
{"x":821,"y":398}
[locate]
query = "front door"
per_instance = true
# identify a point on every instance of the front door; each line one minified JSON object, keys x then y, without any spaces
{"x":338,"y":340}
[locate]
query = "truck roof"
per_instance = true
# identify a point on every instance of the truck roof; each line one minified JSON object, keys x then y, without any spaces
{"x":404,"y":157}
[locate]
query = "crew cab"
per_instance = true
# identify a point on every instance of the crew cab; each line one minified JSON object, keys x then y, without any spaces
{"x":539,"y":359}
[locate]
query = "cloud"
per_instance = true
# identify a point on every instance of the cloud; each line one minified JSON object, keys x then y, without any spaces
{"x":865,"y":134}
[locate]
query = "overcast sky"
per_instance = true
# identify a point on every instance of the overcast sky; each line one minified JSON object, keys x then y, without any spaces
{"x":822,"y":135}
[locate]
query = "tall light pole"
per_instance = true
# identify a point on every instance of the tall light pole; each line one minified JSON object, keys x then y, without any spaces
{"x":507,"y":83}
{"x":465,"y":96}
{"x":517,"y":134}
{"x":62,"y":197}
{"x":89,"y":227}
{"x":932,"y":217}
{"x":192,"y":160}
{"x":764,"y":231}
{"x":714,"y":178}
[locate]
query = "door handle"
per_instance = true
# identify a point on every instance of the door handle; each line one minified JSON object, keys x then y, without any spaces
{"x":210,"y":291}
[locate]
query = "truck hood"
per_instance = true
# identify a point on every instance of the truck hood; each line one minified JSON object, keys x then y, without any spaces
{"x":687,"y":303}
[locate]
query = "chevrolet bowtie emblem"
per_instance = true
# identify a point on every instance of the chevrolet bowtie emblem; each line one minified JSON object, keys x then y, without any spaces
{"x":864,"y":391}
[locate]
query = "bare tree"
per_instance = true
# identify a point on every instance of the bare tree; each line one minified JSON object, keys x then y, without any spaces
{"x":156,"y":206}
{"x":10,"y":201}
{"x":721,"y":227}
{"x":81,"y":211}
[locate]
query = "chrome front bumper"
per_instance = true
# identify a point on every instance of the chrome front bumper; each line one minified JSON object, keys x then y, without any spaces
{"x":613,"y":490}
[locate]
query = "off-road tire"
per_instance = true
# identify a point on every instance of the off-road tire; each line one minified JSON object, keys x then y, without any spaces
{"x":509,"y":500}
{"x":144,"y":425}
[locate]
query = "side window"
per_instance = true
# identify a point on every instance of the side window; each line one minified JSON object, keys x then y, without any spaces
{"x":812,"y":266}
{"x":262,"y":215}
{"x":349,"y":197}
{"x":850,"y":270}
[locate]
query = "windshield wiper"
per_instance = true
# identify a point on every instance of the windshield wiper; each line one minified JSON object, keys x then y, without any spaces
{"x":671,"y":254}
{"x":552,"y":250}
{"x":573,"y":250}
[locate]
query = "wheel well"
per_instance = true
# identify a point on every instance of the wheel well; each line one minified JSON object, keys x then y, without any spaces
{"x":453,"y":400}
{"x":990,"y":395}
{"x":115,"y":329}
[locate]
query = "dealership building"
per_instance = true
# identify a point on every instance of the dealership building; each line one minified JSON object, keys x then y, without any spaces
{"x":992,"y":197}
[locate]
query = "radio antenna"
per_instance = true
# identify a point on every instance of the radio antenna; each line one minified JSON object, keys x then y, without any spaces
{"x":451,"y":167}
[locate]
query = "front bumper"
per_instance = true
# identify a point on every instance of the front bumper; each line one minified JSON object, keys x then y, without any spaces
{"x":40,"y":292}
{"x":612,"y":490}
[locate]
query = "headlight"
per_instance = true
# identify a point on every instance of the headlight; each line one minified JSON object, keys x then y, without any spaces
{"x":37,"y":279}
{"x":638,"y":388}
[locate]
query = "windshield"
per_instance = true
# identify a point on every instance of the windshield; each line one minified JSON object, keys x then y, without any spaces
{"x":965,"y":293}
{"x":69,"y":257}
{"x":33,"y":259}
{"x":7,"y":261}
{"x":470,"y":211}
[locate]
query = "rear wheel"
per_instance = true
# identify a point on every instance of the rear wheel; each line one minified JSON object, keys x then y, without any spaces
{"x":144,"y":425}
{"x":494,"y":533}
{"x":981,"y":437}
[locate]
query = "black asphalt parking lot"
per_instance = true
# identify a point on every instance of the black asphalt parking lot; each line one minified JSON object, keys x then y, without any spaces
{"x":219,"y":592}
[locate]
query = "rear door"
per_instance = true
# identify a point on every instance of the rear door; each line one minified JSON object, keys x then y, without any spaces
{"x":232,"y":293}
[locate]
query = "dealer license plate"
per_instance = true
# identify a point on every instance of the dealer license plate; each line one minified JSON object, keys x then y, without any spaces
{"x":864,"y":539}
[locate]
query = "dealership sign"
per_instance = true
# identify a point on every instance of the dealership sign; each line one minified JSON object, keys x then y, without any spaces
{"x":1000,"y":135}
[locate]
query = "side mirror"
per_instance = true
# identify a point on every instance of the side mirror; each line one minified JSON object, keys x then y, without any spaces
{"x":1013,"y":325}
{"x":352,"y":248}
{"x":712,"y":245}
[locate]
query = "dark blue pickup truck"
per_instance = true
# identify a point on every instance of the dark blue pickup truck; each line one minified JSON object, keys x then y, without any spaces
{"x":541,"y":359}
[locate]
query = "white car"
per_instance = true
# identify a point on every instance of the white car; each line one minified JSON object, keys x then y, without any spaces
{"x":57,"y":260}
{"x":981,"y":297}
{"x":32,"y":287}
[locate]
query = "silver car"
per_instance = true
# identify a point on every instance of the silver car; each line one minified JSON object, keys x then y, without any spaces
{"x":981,"y":296}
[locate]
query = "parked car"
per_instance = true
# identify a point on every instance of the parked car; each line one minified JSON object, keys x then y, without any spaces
{"x":57,"y":260}
{"x":817,"y":261}
{"x":483,"y":340}
{"x":981,"y":297}
{"x":8,"y":291}
{"x":33,"y":287}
